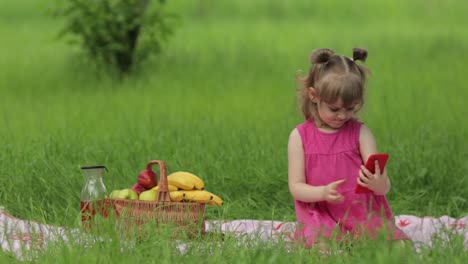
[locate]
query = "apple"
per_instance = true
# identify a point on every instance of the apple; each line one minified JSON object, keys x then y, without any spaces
{"x":149,"y":195}
{"x":127,"y":194}
{"x":147,"y":177}
{"x":138,"y":188}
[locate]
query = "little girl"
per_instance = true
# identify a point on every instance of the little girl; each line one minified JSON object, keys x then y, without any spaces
{"x":326,"y":154}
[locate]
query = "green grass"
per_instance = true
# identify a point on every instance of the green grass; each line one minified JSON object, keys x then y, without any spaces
{"x":220,"y":103}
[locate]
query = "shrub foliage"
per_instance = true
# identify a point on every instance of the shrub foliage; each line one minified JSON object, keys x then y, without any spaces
{"x":119,"y":33}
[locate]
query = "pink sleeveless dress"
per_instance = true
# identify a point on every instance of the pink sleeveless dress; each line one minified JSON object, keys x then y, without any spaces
{"x":330,"y":157}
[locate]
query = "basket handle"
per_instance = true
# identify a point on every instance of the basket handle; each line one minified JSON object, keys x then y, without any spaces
{"x":163,"y":193}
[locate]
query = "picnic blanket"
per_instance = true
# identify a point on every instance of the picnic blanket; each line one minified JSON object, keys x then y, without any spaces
{"x":20,"y":236}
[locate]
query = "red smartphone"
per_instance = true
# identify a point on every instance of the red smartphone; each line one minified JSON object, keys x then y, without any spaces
{"x":370,"y":165}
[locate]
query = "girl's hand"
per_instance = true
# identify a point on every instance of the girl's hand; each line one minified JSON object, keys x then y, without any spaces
{"x":377,"y":182}
{"x":330,"y":193}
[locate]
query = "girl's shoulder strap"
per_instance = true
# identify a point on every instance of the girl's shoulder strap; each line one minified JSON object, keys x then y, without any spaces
{"x":355,"y":129}
{"x":356,"y":124}
{"x":305,"y":129}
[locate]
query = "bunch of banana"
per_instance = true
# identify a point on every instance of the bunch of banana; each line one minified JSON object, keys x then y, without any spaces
{"x":216,"y":201}
{"x":186,"y":181}
{"x":176,"y":196}
{"x":202,"y":196}
{"x":187,"y":187}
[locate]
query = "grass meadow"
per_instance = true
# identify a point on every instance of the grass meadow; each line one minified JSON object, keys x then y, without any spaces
{"x":220,"y":102}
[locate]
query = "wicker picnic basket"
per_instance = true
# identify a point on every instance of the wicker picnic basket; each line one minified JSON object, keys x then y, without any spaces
{"x":133,"y":214}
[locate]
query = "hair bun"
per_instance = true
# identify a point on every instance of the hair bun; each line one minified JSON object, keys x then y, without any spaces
{"x":321,"y":56}
{"x":359,"y":54}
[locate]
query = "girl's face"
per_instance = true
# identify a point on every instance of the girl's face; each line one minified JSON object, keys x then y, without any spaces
{"x":335,"y":115}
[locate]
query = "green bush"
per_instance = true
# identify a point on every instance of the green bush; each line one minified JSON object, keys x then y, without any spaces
{"x":118,"y":33}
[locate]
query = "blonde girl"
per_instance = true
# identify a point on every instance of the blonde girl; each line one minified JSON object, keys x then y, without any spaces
{"x":326,"y":154}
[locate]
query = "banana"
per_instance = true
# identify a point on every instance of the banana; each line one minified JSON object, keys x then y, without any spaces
{"x":180,"y":182}
{"x":199,"y":184}
{"x":216,"y":201}
{"x":197,"y":196}
{"x":170,"y":187}
{"x":176,"y":196}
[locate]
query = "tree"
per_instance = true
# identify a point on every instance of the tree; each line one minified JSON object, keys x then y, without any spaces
{"x":119,"y":33}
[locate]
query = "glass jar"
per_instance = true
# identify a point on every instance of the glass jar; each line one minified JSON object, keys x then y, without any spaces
{"x":92,"y":194}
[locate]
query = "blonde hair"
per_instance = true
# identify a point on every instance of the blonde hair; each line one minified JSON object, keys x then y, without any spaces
{"x":333,"y":77}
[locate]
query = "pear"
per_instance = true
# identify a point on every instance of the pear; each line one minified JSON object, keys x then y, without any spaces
{"x":149,"y":195}
{"x":124,"y":194}
{"x":114,"y":194}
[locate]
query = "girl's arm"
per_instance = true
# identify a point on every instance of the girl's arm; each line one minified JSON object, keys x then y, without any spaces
{"x":298,"y":187}
{"x":367,"y":145}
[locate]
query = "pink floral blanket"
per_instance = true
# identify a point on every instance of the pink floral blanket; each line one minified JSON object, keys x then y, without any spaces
{"x":25,"y":239}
